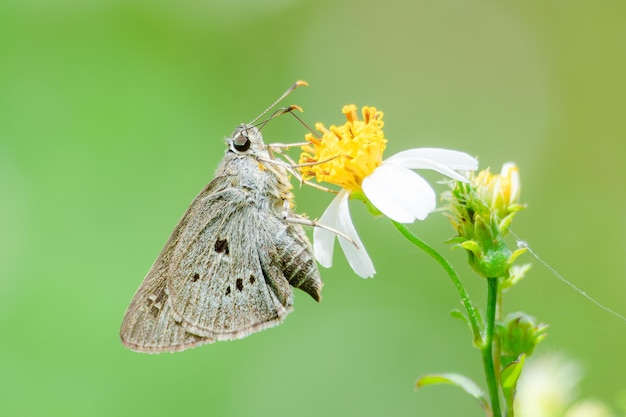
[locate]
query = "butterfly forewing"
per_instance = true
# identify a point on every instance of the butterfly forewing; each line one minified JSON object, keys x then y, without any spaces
{"x":224,"y":293}
{"x":149,"y":324}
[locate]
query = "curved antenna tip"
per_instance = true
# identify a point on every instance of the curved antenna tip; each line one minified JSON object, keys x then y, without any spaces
{"x":294,"y":107}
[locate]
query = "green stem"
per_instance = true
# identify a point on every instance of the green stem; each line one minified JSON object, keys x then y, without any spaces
{"x":497,"y":348}
{"x":487,"y":349}
{"x":472,"y":314}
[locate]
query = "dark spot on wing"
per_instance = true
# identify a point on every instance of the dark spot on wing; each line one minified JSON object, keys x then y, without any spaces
{"x":221,"y":245}
{"x":154,"y":311}
{"x":252,"y":279}
{"x":195,"y":277}
{"x":228,"y":290}
{"x":239,"y":284}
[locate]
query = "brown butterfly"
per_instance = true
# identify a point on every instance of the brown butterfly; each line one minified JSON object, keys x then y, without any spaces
{"x":229,"y":265}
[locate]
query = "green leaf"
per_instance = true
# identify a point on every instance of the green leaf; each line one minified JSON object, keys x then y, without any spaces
{"x":457,"y":314}
{"x":509,"y":377}
{"x":460,"y":381}
{"x":511,"y":373}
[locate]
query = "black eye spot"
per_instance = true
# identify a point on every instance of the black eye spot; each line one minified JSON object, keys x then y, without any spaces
{"x":221,"y":245}
{"x":252,"y":279}
{"x":228,"y":290}
{"x":241,"y":142}
{"x":239,"y":284}
{"x":195,"y":277}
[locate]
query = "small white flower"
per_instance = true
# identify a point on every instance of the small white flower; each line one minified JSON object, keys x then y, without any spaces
{"x":395,"y":190}
{"x":354,"y":161}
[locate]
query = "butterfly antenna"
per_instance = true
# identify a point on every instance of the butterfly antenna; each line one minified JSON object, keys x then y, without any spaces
{"x":290,"y":110}
{"x":285,"y":94}
{"x":303,"y":122}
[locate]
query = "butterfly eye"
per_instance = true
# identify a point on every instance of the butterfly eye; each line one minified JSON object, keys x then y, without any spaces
{"x":241,"y":141}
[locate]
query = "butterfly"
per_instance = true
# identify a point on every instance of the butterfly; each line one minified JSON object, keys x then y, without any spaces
{"x":229,"y":266}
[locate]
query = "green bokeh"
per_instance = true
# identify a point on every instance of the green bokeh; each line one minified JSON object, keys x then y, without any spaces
{"x":112,"y":115}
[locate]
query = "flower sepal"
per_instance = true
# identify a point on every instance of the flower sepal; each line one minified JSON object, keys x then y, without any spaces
{"x":488,"y":253}
{"x":360,"y":195}
{"x":516,"y":273}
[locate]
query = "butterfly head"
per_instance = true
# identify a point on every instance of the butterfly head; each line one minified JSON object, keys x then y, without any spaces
{"x":245,"y":140}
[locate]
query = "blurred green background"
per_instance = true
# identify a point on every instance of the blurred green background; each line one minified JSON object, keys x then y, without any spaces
{"x":112,"y":118}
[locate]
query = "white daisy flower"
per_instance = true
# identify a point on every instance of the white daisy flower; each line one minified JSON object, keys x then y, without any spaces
{"x":353,"y":154}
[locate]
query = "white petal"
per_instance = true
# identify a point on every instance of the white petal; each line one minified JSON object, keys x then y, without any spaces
{"x":358,"y":258}
{"x":444,"y":161}
{"x":510,"y":171}
{"x":324,"y":240}
{"x":399,"y":193}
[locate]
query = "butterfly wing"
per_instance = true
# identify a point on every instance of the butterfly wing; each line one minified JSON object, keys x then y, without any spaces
{"x":233,"y":276}
{"x":219,"y":286}
{"x":220,"y":278}
{"x":149,"y":324}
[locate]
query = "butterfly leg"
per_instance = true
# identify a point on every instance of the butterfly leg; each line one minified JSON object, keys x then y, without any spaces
{"x":313,"y":223}
{"x":291,"y":166}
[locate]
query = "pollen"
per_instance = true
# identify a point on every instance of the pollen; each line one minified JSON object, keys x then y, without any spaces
{"x":345,"y":155}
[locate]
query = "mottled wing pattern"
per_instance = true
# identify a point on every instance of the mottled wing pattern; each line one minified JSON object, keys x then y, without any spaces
{"x":242,"y":282}
{"x":221,"y":278}
{"x":149,"y":324}
{"x":228,"y":292}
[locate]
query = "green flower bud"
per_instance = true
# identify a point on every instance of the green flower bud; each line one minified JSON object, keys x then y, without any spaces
{"x":519,"y":334}
{"x":481,"y":212}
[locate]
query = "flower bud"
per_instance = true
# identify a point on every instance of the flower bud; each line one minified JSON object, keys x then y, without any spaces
{"x":519,"y":334}
{"x":500,"y":192}
{"x":481,"y":212}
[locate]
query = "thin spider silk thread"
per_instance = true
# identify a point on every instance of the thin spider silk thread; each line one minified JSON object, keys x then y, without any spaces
{"x":523,"y":244}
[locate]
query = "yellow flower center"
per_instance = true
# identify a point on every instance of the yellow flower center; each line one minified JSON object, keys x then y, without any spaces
{"x":345,"y":155}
